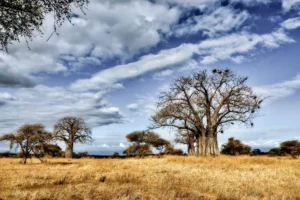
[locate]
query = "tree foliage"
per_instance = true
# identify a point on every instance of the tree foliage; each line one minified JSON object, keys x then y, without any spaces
{"x":235,"y":147}
{"x":206,"y":104}
{"x":48,"y":149}
{"x":71,"y":130}
{"x":143,"y":141}
{"x":20,"y":18}
{"x":27,"y":138}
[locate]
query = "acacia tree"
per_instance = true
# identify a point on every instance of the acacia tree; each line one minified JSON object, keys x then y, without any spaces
{"x":235,"y":147}
{"x":27,"y":138}
{"x":143,"y":141}
{"x":206,"y":104}
{"x":71,"y":130}
{"x":20,"y":18}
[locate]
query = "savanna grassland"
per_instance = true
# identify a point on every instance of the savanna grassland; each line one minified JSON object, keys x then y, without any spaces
{"x":171,"y":177}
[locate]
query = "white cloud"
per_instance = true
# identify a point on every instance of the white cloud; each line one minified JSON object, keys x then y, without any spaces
{"x":279,"y":90}
{"x":289,"y":4}
{"x":122,"y":145}
{"x":251,"y":2}
{"x":232,"y":47}
{"x":220,"y":20}
{"x":291,"y":23}
{"x":201,"y":4}
{"x":162,"y":74}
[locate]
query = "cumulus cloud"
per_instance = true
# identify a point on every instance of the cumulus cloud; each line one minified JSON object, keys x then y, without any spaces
{"x":125,"y":27}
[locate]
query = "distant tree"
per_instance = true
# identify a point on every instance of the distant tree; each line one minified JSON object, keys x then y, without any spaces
{"x":206,"y":104}
{"x":143,"y":141}
{"x":256,"y":152}
{"x":187,"y":137}
{"x":172,"y":151}
{"x":116,"y":154}
{"x":82,"y":154}
{"x":72,"y":130}
{"x":288,"y":147}
{"x":138,"y":150}
{"x":275,"y":152}
{"x":235,"y":147}
{"x":48,"y":149}
{"x":27,"y":138}
{"x":160,"y":144}
{"x":21,"y":18}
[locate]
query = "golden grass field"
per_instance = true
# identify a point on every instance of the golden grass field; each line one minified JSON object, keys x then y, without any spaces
{"x":171,"y":177}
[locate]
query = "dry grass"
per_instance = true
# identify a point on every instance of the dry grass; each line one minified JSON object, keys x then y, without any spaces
{"x":170,"y":177}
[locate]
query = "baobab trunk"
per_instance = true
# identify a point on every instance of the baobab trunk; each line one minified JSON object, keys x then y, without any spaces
{"x":211,"y":146}
{"x":69,"y":151}
{"x":191,"y":148}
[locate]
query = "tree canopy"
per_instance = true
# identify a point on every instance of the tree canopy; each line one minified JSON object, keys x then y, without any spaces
{"x":235,"y":147}
{"x":206,"y":104}
{"x":21,"y":18}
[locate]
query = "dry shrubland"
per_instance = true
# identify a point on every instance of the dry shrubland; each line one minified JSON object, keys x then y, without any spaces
{"x":171,"y":177}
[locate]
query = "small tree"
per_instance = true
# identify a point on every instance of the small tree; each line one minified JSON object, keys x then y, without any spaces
{"x":27,"y":138}
{"x":172,"y":151}
{"x":235,"y":147}
{"x":275,"y":152}
{"x":160,"y":144}
{"x":288,"y":147}
{"x":72,"y":130}
{"x":143,"y":141}
{"x":48,"y":149}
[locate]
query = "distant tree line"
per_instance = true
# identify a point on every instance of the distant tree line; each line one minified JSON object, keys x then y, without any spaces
{"x":34,"y":140}
{"x":236,"y":147}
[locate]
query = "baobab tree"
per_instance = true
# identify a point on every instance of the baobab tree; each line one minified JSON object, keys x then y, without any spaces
{"x":27,"y":138}
{"x":71,"y":130}
{"x":206,"y":104}
{"x":23,"y":18}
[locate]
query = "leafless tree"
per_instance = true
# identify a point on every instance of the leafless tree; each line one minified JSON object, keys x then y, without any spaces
{"x":27,"y":138}
{"x":72,"y":130}
{"x":206,"y":104}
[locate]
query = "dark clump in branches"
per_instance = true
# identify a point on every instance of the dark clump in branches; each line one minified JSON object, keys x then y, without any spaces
{"x":20,"y":18}
{"x":205,"y":104}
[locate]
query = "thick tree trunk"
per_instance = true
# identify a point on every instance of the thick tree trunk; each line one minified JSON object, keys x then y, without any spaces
{"x":211,"y":146}
{"x":197,"y":146}
{"x":191,"y":148}
{"x":69,"y":151}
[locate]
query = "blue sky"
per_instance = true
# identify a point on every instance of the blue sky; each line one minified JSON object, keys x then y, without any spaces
{"x":110,"y":65}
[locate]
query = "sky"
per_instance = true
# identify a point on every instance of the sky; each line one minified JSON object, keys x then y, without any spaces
{"x":109,"y":66}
